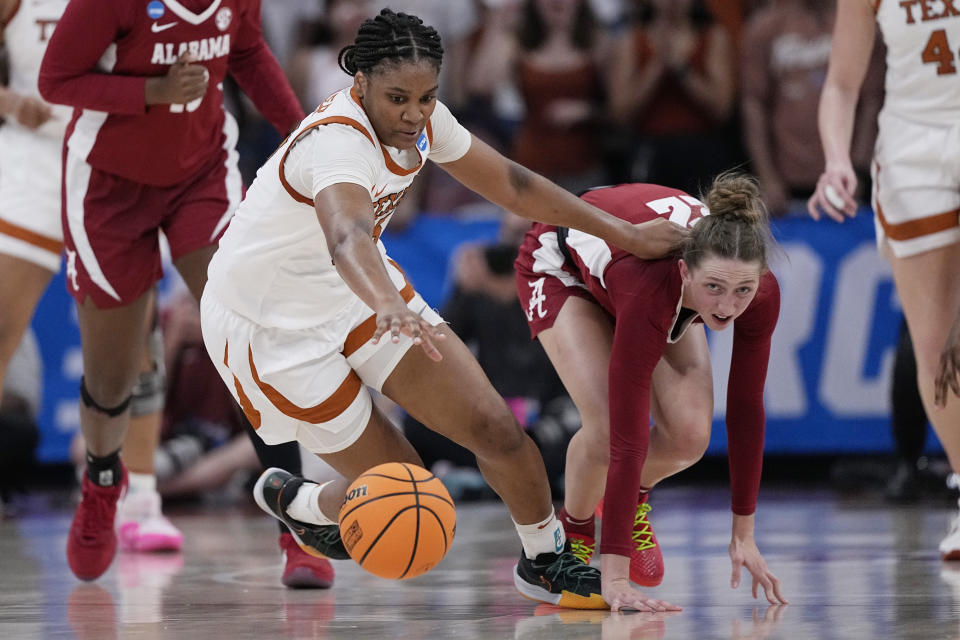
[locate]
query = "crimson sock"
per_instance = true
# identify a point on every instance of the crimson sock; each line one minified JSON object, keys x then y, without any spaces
{"x":572,"y":525}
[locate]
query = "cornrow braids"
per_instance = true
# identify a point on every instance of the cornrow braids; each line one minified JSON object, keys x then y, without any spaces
{"x":391,"y":36}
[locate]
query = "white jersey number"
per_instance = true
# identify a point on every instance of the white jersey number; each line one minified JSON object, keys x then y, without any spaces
{"x":680,"y":208}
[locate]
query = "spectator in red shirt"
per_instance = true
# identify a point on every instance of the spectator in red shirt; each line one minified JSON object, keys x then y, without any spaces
{"x":626,"y":336}
{"x":149,"y":148}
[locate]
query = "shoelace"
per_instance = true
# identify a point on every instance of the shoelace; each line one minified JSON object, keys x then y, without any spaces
{"x":642,"y":533}
{"x":581,"y":549}
{"x":571,"y":568}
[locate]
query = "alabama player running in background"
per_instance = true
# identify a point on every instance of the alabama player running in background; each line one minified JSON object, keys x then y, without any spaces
{"x":916,"y":175}
{"x":149,"y":148}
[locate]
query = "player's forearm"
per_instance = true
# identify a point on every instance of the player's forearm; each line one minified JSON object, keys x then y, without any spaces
{"x":95,"y":91}
{"x":835,"y":120}
{"x":358,"y":261}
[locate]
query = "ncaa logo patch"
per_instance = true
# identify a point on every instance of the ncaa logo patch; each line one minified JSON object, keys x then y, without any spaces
{"x":223,"y":18}
{"x":422,"y":142}
{"x":156,"y":9}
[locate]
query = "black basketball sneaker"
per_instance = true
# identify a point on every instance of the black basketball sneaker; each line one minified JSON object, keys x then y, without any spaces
{"x":274,"y":491}
{"x":560,"y":579}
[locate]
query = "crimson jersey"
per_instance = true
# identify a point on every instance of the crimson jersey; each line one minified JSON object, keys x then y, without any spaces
{"x":101,"y":54}
{"x":643,"y":296}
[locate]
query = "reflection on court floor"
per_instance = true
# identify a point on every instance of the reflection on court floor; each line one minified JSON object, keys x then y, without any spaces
{"x":851,"y":569}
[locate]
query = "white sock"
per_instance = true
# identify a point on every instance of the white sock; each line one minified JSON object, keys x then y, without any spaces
{"x":305,"y":506}
{"x":142,"y":482}
{"x":542,"y":537}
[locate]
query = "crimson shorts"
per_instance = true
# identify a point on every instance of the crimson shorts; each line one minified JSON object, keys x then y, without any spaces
{"x":112,"y":225}
{"x":542,"y":283}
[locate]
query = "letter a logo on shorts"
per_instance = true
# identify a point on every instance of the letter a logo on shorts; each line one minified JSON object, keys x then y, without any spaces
{"x":536,"y":300}
{"x":72,"y":269}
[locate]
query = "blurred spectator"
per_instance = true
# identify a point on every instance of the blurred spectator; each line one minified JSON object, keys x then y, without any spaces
{"x":456,"y":21}
{"x":673,"y":86}
{"x":314,"y":71}
{"x":284,"y":23}
{"x":555,"y":53}
{"x":19,"y":406}
{"x":786,"y":50}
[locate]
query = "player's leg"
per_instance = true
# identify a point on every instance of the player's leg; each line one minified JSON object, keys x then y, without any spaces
{"x":926,"y":285}
{"x":454,"y":398}
{"x":578,"y":344}
{"x":681,"y":407}
{"x":21,"y":284}
{"x":141,"y":524}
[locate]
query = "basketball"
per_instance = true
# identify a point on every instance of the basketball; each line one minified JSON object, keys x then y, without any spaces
{"x":397,"y":520}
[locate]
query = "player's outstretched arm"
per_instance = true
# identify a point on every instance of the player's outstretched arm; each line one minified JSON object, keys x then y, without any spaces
{"x":532,"y":196}
{"x":346,"y":217}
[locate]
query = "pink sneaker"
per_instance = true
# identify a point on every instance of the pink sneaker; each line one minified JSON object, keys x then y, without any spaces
{"x":302,"y":570}
{"x":92,"y":543}
{"x":141,"y":526}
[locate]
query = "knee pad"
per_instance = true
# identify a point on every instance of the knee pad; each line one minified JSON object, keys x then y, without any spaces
{"x":90,"y":403}
{"x":149,"y":391}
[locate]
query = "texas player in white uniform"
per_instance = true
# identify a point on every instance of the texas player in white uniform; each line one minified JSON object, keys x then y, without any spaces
{"x":31,"y":139}
{"x":916,"y":173}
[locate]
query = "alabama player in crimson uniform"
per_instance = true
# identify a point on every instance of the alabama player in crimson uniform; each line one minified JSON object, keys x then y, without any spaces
{"x":149,"y":148}
{"x":626,"y":337}
{"x":916,"y":178}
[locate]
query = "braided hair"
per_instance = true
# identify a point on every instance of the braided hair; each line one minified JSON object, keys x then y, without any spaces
{"x":391,"y":36}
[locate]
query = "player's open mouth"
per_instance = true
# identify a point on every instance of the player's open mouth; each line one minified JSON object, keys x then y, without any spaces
{"x":721,"y":318}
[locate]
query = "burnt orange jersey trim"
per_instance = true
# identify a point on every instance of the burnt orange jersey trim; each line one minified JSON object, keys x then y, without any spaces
{"x":337,"y":403}
{"x":364,"y":331}
{"x":252,"y":414}
{"x":912,"y":229}
{"x":350,"y":122}
{"x":30,"y":237}
{"x":392,"y":166}
{"x":876,"y":6}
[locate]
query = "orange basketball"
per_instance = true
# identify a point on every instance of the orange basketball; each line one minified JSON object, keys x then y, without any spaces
{"x":397,"y":520}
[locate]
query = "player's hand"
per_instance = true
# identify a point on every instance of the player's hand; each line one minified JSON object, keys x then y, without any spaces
{"x":185,"y":81}
{"x":399,"y":319}
{"x":834,"y":193}
{"x":744,"y":553}
{"x":656,"y":239}
{"x":948,"y":373}
{"x":31,"y":112}
{"x":620,"y":594}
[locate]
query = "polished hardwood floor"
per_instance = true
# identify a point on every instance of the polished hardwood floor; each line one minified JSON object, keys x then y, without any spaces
{"x":851,"y":567}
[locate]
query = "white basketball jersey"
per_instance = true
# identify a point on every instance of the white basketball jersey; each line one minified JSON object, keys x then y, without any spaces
{"x":923,"y":59}
{"x":273,"y":265}
{"x":26,"y":36}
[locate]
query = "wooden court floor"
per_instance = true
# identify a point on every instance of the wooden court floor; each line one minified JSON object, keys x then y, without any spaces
{"x":852,"y":568}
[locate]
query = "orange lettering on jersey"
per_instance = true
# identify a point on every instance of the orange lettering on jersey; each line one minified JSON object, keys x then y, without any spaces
{"x":383,"y":209}
{"x":927,"y":8}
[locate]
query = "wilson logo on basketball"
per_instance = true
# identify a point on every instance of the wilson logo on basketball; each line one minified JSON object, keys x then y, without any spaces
{"x":359,"y":492}
{"x":352,"y":535}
